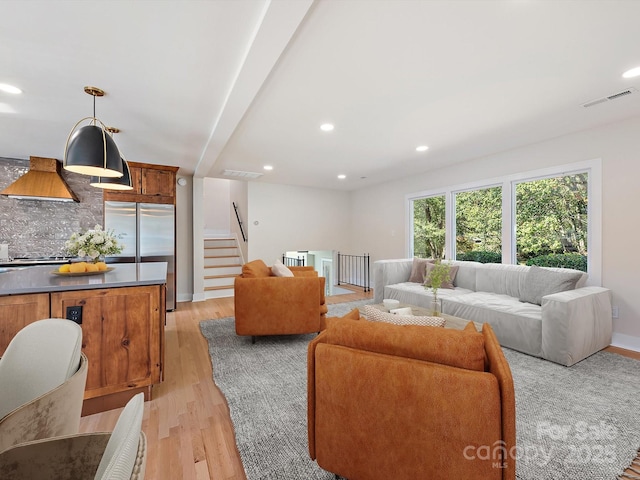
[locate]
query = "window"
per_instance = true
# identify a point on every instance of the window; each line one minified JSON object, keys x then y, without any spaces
{"x":429,"y":227}
{"x":552,"y":221}
{"x":479,"y":225}
{"x":549,"y":217}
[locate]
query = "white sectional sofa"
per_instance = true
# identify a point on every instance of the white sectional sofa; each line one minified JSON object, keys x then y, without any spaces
{"x":565,"y":328}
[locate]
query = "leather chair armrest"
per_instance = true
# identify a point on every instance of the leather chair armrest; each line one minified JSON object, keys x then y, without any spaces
{"x":311,"y":392}
{"x":499,"y":367}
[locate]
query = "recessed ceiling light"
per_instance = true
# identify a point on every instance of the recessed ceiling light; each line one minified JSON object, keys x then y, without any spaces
{"x":326,"y":127}
{"x":342,"y":176}
{"x":268,"y":167}
{"x":422,"y":148}
{"x":634,"y":72}
{"x":9,"y":88}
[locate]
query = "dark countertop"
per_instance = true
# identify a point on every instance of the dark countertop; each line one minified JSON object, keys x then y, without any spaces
{"x":41,"y":280}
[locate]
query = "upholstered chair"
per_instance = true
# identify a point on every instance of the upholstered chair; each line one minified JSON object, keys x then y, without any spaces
{"x":119,"y":455}
{"x":266,"y":304}
{"x":410,"y":402}
{"x":42,"y":379}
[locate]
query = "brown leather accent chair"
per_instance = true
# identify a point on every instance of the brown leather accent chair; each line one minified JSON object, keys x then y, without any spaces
{"x":270,"y":305}
{"x":410,"y":402}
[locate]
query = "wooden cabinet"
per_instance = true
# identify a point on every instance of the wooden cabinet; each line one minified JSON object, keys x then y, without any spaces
{"x":122,"y":336}
{"x":158,"y":182}
{"x":17,"y":311}
{"x":151,"y":184}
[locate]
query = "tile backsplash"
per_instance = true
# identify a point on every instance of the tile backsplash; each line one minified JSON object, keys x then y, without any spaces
{"x":40,"y":227}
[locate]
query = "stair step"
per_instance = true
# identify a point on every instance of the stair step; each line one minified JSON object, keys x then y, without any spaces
{"x":219,"y":293}
{"x":221,"y":252}
{"x":233,"y":270}
{"x":219,"y":242}
{"x":231,"y":275}
{"x":220,"y":287}
{"x":221,"y":261}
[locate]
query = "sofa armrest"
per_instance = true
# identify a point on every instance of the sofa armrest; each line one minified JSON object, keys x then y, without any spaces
{"x":575,"y":324}
{"x":389,"y":272}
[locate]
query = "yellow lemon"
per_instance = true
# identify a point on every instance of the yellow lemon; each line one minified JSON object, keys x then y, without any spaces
{"x":64,"y":268}
{"x":101,"y":266}
{"x":91,"y":267}
{"x":78,"y":267}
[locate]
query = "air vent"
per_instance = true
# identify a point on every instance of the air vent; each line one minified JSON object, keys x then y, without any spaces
{"x":623,"y":93}
{"x":240,"y":174}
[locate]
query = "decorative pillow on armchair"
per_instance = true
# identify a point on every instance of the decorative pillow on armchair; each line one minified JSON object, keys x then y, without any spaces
{"x":279,"y":269}
{"x":376,"y":315}
{"x":255,"y":269}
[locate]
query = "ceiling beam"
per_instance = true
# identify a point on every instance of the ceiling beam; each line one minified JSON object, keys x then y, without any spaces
{"x":278,"y":24}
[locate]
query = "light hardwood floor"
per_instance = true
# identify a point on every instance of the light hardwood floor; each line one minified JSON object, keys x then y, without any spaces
{"x":187,"y":424}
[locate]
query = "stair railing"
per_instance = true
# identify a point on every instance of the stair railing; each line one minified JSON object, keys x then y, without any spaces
{"x":292,"y":261}
{"x":354,"y":270}
{"x":235,"y":207}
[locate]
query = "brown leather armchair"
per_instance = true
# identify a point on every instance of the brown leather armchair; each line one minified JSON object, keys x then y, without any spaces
{"x":270,"y":305}
{"x":410,"y":402}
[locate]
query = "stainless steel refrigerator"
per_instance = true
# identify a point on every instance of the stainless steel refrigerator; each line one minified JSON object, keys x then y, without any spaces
{"x":148,"y":233}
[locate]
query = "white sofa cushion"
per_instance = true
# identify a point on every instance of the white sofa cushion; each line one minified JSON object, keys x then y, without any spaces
{"x":466,"y":276}
{"x":501,"y":279}
{"x":414,"y":294}
{"x":540,"y":282}
{"x":517,"y":325}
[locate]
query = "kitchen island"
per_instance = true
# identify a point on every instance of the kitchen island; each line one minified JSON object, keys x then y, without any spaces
{"x":122,"y":315}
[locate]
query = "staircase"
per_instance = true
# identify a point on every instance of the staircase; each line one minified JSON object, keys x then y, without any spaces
{"x":222,"y":264}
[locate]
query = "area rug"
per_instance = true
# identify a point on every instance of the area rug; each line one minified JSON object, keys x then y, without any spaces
{"x":579,"y":422}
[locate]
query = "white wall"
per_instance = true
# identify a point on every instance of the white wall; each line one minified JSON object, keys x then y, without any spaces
{"x":295,"y":218}
{"x":238,"y":195}
{"x":379,"y":224}
{"x":184,"y":240}
{"x":217,"y":219}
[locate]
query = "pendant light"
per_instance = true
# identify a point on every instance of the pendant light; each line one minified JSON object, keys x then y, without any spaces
{"x":111,"y":183}
{"x":90,"y":150}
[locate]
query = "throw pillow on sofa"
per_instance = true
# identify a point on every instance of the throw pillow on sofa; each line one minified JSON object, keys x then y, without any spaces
{"x":541,"y":281}
{"x":419,"y":269}
{"x":453,"y":270}
{"x":376,"y":315}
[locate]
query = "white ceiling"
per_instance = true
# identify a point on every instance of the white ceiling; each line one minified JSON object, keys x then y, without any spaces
{"x":223,"y":84}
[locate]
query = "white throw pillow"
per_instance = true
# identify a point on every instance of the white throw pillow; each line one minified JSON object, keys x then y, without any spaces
{"x":279,"y":269}
{"x":376,"y":315}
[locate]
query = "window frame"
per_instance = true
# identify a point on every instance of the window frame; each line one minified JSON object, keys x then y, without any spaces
{"x":508,"y":183}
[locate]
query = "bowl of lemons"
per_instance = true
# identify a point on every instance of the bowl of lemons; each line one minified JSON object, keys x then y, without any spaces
{"x":82,"y":268}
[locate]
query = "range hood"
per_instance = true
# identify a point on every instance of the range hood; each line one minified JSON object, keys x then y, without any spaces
{"x":43,"y":181}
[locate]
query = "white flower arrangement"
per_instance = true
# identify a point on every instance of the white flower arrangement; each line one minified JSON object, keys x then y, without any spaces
{"x":93,"y":243}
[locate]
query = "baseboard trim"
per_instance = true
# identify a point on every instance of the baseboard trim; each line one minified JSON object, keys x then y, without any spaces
{"x":628,"y":342}
{"x":198,"y":297}
{"x":184,"y":297}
